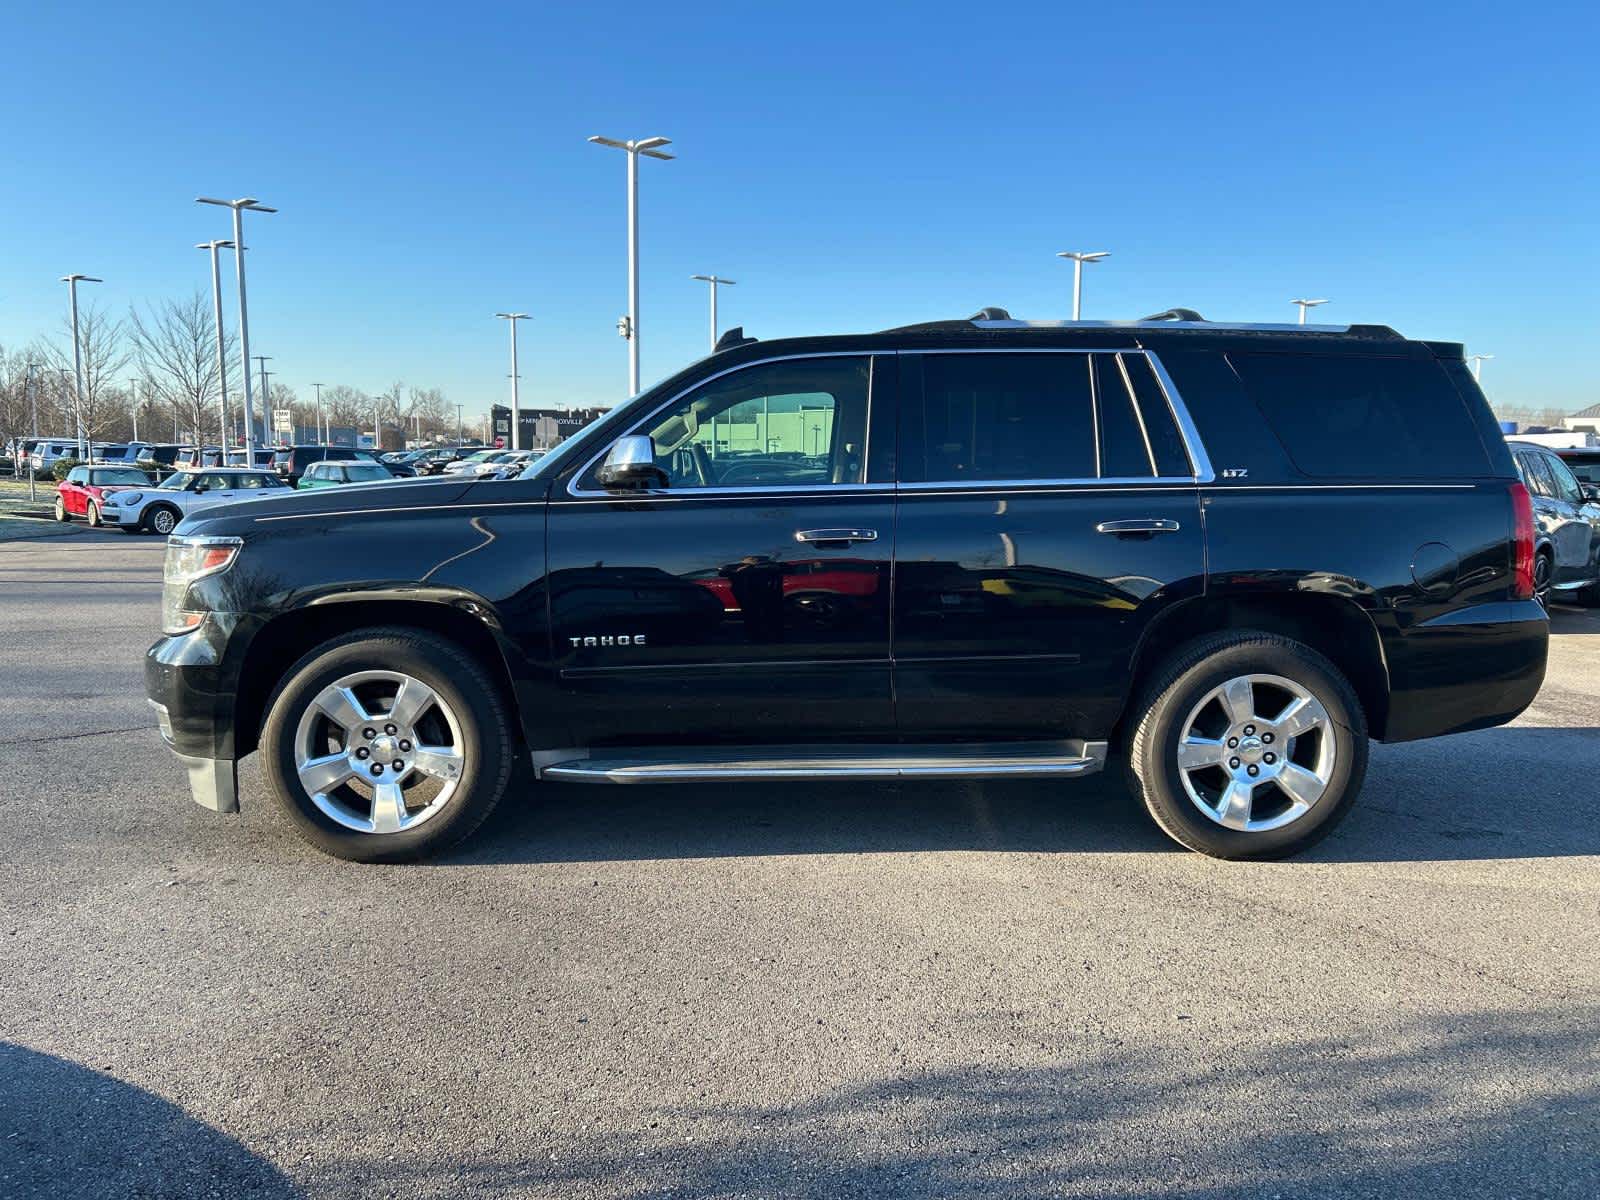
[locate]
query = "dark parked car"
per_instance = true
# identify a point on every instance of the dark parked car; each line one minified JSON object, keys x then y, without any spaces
{"x":1220,"y":556}
{"x":1566,"y":514}
{"x":291,"y":461}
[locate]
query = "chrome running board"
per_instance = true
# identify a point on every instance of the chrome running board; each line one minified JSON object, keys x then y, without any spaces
{"x":734,"y":764}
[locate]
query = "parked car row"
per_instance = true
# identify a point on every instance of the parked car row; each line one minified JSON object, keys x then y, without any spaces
{"x":1566,"y":512}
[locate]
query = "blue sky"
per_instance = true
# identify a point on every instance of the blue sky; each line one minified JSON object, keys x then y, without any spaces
{"x":1430,"y":166}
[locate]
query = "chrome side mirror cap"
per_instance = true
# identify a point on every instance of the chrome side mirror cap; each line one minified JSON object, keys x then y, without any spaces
{"x":631,"y":463}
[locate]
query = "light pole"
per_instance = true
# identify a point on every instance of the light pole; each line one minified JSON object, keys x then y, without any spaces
{"x":222,"y":355}
{"x":133,"y":405}
{"x":516,"y":402}
{"x":1304,"y":305}
{"x":459,"y":407}
{"x":1079,"y":257}
{"x":238,"y":207}
{"x":266,"y":401}
{"x":321,"y":437}
{"x":1477,"y":361}
{"x":715,"y":281}
{"x":72,"y":282}
{"x":650,"y":148}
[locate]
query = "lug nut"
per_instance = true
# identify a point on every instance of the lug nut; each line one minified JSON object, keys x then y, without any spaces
{"x":398,"y":764}
{"x":1249,"y":729}
{"x":1232,"y":742}
{"x":362,"y":752}
{"x":1254,"y":770}
{"x":1269,"y":759}
{"x":1267,"y":738}
{"x":369,"y":733}
{"x":377,"y":768}
{"x":405,"y":745}
{"x":1234,"y":763}
{"x":391,"y":730}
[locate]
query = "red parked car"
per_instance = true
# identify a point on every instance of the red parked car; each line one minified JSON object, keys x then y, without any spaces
{"x":84,"y":489}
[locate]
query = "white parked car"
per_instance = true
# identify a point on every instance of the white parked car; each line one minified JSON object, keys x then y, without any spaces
{"x":470,"y":464}
{"x":159,"y":509}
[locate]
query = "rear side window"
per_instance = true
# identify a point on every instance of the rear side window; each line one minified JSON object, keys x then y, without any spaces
{"x":1585,"y":468}
{"x":1008,"y":417}
{"x":1364,"y":417}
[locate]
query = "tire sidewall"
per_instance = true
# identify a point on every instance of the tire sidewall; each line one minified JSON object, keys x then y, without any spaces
{"x":93,"y":514}
{"x":61,"y":510}
{"x":468,"y":692}
{"x":1157,"y":748}
{"x":156,"y":513}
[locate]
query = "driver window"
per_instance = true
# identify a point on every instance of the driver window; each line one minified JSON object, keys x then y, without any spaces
{"x":786,"y":424}
{"x":1566,"y":484}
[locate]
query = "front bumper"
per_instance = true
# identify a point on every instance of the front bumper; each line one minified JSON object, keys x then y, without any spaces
{"x":113,"y":515}
{"x":190,"y":683}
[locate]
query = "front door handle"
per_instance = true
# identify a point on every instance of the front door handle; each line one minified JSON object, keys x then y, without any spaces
{"x":1137,"y":528}
{"x":842,"y":537}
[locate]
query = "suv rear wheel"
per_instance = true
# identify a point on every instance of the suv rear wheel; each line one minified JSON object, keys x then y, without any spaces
{"x":1249,"y":746}
{"x":387,"y":745}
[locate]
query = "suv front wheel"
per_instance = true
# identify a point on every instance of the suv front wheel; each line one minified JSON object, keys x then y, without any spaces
{"x":387,"y":745}
{"x":1249,"y":746}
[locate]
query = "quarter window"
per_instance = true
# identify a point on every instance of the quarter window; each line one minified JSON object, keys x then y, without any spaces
{"x":802,"y":422}
{"x":1566,"y":484}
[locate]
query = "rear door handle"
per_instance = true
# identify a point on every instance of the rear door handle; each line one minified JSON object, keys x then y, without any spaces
{"x":842,"y":536}
{"x":1148,"y":525}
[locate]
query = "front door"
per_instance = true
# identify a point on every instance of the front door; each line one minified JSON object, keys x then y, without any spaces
{"x":745,"y":598}
{"x":1048,"y":505}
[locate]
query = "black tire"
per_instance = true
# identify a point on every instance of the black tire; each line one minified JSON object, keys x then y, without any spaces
{"x":1544,"y":570}
{"x":93,"y":514}
{"x":1181,"y":682}
{"x":162,"y":519}
{"x":458,"y":678}
{"x":61,"y":510}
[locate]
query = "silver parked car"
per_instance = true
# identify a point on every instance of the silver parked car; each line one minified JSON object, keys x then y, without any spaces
{"x":159,"y":509}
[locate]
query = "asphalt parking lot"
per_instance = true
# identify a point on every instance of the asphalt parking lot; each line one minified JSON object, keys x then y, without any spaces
{"x":956,"y":990}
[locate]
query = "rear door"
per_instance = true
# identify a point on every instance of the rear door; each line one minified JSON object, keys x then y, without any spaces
{"x":746,"y":598}
{"x":1559,"y":522}
{"x":1578,"y":521}
{"x":1048,"y":506}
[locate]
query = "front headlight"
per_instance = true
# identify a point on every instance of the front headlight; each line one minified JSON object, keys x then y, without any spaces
{"x":189,"y":559}
{"x":121,"y":498}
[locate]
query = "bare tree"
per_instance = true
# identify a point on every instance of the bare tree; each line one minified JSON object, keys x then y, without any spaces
{"x":345,"y":405}
{"x":176,"y":343}
{"x":105,"y":353}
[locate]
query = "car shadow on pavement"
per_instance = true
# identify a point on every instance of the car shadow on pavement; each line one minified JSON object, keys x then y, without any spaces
{"x":67,"y":1130}
{"x":1524,"y":796}
{"x":1565,"y":619}
{"x":1384,"y":1105}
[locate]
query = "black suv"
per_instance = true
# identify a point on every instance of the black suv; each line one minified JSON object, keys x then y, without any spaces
{"x":291,"y":461}
{"x":1223,"y":555}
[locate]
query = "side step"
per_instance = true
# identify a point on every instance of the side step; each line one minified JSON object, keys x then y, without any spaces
{"x":724,"y":764}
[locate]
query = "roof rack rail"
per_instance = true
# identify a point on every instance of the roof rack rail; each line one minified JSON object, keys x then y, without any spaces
{"x":1174,"y":314}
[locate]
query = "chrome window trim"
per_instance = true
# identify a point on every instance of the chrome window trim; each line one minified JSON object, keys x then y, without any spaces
{"x":1198,"y":459}
{"x":1138,"y":415}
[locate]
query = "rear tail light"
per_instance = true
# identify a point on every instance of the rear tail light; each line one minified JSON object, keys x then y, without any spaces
{"x":1522,"y":546}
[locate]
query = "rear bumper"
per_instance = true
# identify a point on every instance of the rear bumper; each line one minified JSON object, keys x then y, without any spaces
{"x":1469,"y":669}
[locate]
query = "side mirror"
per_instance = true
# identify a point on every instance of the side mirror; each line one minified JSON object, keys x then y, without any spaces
{"x":1591,"y":492}
{"x":631,"y":463}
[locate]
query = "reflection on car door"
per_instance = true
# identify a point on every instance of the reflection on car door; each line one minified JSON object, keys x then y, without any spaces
{"x":749,"y":593}
{"x":1047,"y":504}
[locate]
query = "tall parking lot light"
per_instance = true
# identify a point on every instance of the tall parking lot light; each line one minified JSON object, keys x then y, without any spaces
{"x":715,"y":281}
{"x":650,"y":147}
{"x":1304,"y":305}
{"x":1079,"y":257}
{"x":1477,"y":361}
{"x":516,"y":406}
{"x":72,"y":282}
{"x":222,"y":355}
{"x":266,"y":398}
{"x":459,"y":409}
{"x":321,"y":440}
{"x":238,"y":207}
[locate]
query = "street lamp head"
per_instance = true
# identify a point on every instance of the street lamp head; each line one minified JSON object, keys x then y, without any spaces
{"x":645,"y":146}
{"x":514,"y":316}
{"x":249,"y":202}
{"x":1082,"y":256}
{"x":715,"y":279}
{"x":75,"y":278}
{"x":1308,"y":303}
{"x":215,"y":244}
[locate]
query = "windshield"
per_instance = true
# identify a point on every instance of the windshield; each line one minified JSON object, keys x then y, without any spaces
{"x":177,"y":481}
{"x":120,"y":475}
{"x":361,"y":472}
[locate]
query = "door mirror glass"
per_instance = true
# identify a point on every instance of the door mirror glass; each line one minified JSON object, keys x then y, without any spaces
{"x":631,"y":463}
{"x":1591,"y":492}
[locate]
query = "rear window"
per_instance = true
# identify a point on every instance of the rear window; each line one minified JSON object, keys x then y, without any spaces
{"x":1357,"y":417}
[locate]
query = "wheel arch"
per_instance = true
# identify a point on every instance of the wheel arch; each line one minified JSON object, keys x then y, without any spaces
{"x":284,"y":639}
{"x":1335,"y":626}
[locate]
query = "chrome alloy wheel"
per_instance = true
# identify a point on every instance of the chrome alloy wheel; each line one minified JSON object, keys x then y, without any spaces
{"x":1257,"y":753}
{"x":379,"y":751}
